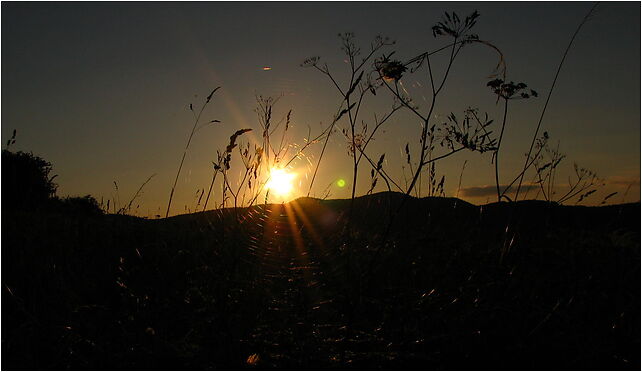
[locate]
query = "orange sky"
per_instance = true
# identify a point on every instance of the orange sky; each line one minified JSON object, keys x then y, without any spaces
{"x":102,"y":90}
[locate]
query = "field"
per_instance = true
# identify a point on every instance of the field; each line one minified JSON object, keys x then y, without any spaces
{"x":450,"y":287}
{"x":190,"y":123}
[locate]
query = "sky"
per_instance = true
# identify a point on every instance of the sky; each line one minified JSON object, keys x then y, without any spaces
{"x":102,"y":90}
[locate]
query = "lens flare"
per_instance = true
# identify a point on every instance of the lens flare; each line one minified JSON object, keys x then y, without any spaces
{"x":341,"y":182}
{"x":280,"y":182}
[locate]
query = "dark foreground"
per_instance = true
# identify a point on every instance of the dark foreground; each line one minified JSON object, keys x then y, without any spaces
{"x":291,"y":287}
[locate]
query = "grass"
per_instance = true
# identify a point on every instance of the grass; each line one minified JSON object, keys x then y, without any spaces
{"x":197,"y":118}
{"x":199,"y":291}
{"x":385,"y":280}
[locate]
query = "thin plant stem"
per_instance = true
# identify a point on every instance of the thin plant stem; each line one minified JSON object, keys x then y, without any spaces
{"x":499,"y":143}
{"x":189,"y":140}
{"x":550,"y":92}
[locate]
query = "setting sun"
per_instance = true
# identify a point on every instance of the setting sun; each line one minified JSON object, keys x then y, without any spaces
{"x":280,"y":182}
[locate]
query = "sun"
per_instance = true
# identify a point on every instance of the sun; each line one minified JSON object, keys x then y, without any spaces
{"x":280,"y":182}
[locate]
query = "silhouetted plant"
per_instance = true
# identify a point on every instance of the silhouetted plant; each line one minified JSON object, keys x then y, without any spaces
{"x":128,"y":208}
{"x":506,"y":91}
{"x":548,"y":97}
{"x":258,"y":159}
{"x":391,"y":71}
{"x":546,"y":161}
{"x":546,"y":168}
{"x":585,"y":183}
{"x":27,"y":185}
{"x":224,"y":164}
{"x":453,"y":26}
{"x":26,"y":180}
{"x":11,"y":140}
{"x":353,"y":93}
{"x":81,"y":205}
{"x":197,"y":118}
{"x":470,"y":133}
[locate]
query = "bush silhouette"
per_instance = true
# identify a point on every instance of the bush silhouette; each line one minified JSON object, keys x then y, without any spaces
{"x":26,"y":180}
{"x":85,"y":205}
{"x":27,"y":184}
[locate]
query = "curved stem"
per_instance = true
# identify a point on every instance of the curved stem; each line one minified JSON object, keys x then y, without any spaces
{"x":550,"y":92}
{"x":325,"y":144}
{"x":180,"y":167}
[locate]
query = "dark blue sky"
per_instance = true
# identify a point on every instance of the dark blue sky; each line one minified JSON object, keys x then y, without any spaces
{"x":101,"y":89}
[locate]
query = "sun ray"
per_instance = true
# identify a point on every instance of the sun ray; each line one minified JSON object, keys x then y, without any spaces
{"x":294,"y":231}
{"x":306,"y":223}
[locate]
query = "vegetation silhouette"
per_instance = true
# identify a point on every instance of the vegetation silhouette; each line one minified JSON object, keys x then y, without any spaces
{"x":402,"y":279}
{"x":200,"y":291}
{"x":27,"y":181}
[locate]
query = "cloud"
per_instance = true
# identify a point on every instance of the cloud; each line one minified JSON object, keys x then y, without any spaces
{"x":491,"y":190}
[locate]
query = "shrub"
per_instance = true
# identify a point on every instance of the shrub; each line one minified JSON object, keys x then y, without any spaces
{"x":85,"y":205}
{"x":26,"y":180}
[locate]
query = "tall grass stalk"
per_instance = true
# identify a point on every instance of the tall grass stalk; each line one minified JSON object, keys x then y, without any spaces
{"x":189,"y":141}
{"x":548,"y":97}
{"x":128,"y":208}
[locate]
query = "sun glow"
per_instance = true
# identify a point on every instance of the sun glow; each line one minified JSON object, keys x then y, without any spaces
{"x":280,"y":182}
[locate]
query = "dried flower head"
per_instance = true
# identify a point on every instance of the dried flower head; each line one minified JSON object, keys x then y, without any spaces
{"x":390,"y":69}
{"x":510,"y":90}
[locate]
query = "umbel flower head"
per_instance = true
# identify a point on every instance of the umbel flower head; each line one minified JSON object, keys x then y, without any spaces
{"x":390,"y":69}
{"x":510,"y":90}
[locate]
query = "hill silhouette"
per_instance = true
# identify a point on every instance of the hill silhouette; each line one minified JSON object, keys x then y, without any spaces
{"x":528,"y":285}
